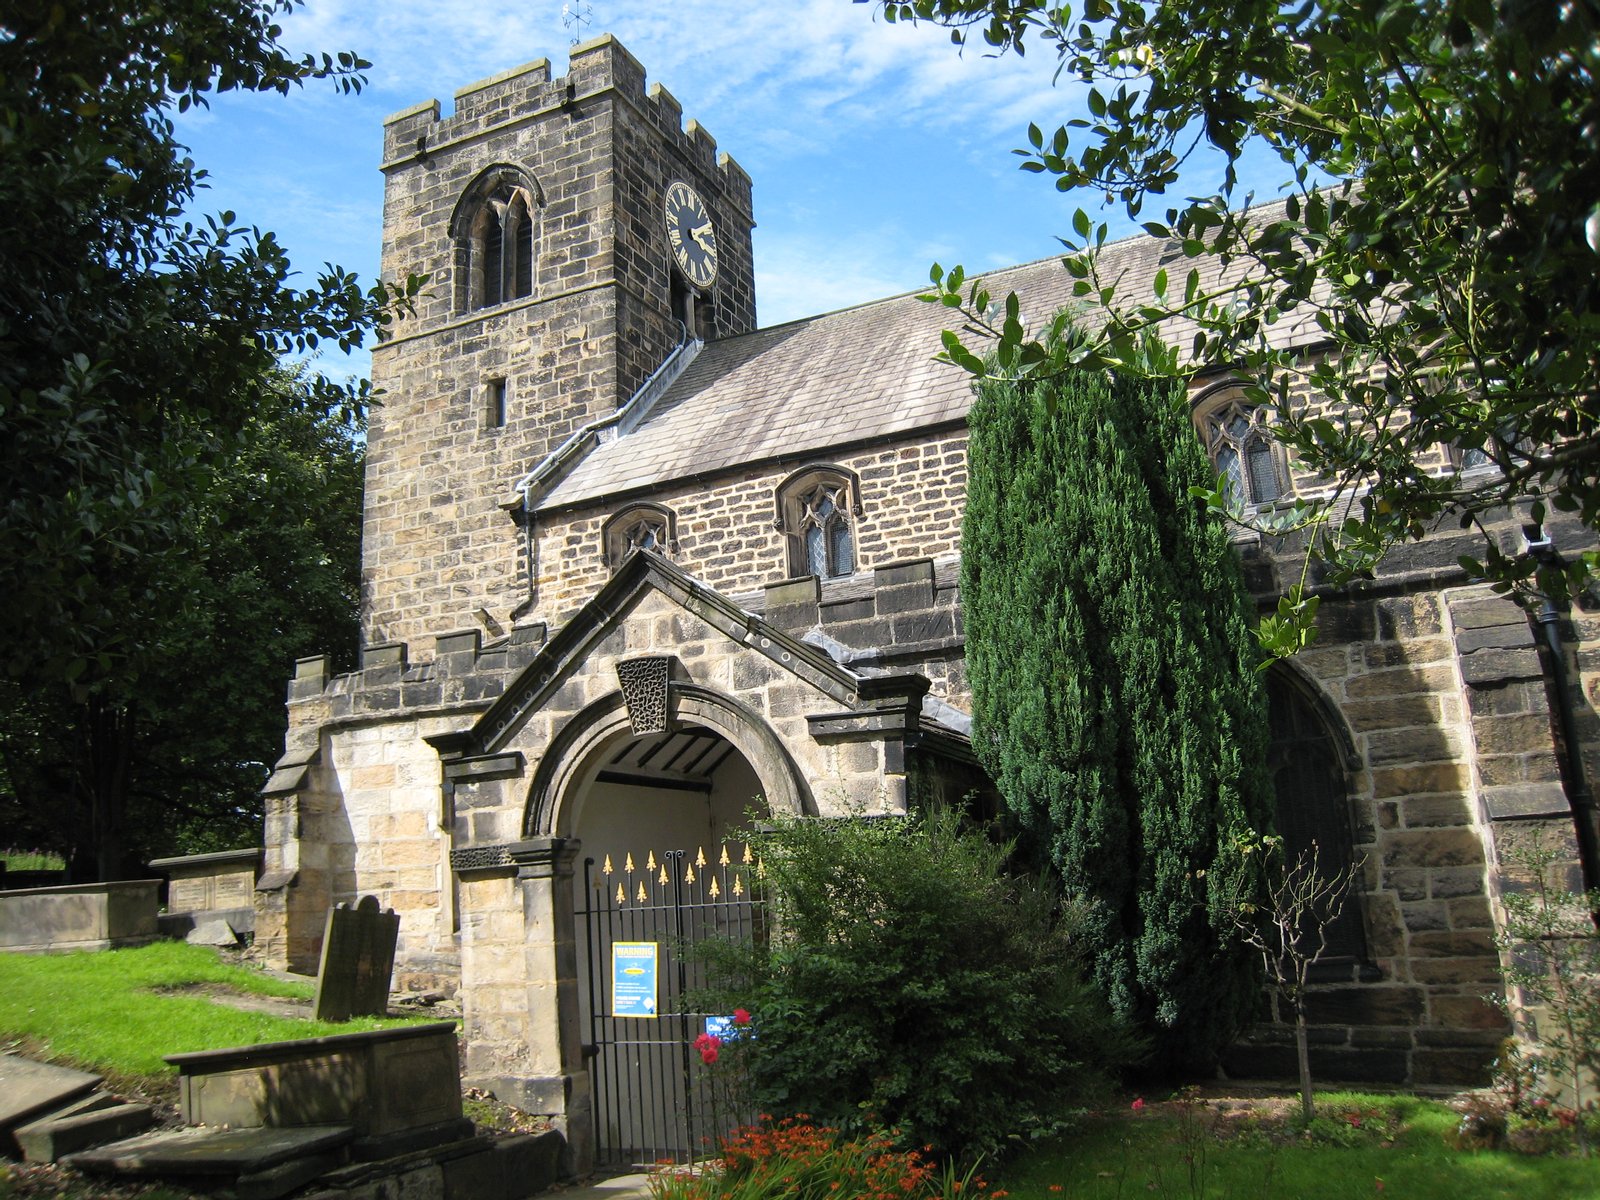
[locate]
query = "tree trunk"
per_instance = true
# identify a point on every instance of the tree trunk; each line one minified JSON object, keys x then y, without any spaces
{"x":102,"y":792}
{"x":1308,"y":1108}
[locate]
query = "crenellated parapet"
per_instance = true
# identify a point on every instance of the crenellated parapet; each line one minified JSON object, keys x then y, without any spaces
{"x":600,"y":66}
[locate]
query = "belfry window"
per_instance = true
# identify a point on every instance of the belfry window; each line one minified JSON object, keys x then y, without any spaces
{"x":641,"y":527}
{"x":502,"y":248}
{"x":817,"y":509}
{"x":1244,"y":453}
{"x":495,"y":228}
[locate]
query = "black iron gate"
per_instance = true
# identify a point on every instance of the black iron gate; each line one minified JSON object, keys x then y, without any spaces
{"x":653,"y":1098}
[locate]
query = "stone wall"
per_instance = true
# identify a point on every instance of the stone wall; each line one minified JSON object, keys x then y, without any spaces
{"x":362,"y":805}
{"x":912,"y":495}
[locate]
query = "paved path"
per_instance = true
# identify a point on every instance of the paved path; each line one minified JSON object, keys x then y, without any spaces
{"x":620,"y":1187}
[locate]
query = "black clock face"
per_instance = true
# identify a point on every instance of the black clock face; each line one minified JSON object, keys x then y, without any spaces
{"x":694,"y":242}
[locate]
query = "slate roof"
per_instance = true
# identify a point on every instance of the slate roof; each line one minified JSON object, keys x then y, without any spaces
{"x":800,"y":390}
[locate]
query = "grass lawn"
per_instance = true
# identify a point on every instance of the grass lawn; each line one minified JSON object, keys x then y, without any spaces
{"x":1360,"y":1146}
{"x":108,"y":1011}
{"x":31,"y":860}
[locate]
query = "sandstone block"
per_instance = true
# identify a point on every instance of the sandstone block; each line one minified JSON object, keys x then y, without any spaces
{"x":1432,"y":848}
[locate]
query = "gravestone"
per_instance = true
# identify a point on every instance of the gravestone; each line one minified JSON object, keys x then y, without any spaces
{"x":357,"y":961}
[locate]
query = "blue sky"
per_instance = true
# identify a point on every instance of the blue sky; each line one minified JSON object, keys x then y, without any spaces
{"x":876,"y":149}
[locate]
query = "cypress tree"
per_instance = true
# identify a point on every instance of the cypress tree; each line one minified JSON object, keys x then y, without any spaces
{"x":1115,"y":698}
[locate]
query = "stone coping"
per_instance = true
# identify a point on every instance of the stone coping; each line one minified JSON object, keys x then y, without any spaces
{"x":215,"y":858}
{"x":88,"y":889}
{"x":199,"y":1062}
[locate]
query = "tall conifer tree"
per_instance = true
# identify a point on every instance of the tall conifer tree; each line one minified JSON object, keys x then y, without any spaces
{"x":1116,"y":702}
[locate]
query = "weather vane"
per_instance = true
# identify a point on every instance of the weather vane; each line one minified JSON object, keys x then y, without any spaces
{"x":577,"y":16}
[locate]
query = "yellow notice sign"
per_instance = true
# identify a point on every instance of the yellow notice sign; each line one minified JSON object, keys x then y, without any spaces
{"x":633,"y":979}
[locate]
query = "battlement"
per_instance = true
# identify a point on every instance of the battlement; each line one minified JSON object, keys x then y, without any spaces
{"x":597,"y":67}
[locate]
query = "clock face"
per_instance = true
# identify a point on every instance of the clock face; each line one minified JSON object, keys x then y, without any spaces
{"x":694,"y":242}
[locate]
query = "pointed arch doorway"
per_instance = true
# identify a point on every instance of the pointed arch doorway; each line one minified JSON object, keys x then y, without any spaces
{"x":664,"y":866}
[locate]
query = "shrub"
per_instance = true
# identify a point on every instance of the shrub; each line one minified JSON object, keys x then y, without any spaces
{"x":1553,"y":967}
{"x":1116,"y":702}
{"x":912,"y":982}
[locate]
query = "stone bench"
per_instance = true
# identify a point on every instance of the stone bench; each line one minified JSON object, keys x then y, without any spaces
{"x":399,"y":1086}
{"x":83,"y":916}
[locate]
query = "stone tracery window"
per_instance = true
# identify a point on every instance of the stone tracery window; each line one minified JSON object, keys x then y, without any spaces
{"x":640,"y":527}
{"x":495,"y":227}
{"x":817,"y":508}
{"x":1244,"y":452}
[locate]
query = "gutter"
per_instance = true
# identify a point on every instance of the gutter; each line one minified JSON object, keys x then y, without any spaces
{"x":1574,"y":779}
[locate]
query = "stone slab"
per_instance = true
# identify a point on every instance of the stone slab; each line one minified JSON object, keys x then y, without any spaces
{"x":93,"y":1102}
{"x":52,"y":1138}
{"x":212,"y":931}
{"x":31,"y":1089}
{"x":210,"y":1153}
{"x":620,"y":1187}
{"x":284,"y":1178}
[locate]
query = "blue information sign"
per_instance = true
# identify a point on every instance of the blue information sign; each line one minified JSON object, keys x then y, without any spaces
{"x":633,"y":979}
{"x":725,"y":1029}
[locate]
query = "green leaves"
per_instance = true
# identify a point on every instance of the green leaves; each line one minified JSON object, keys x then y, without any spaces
{"x":139,"y":358}
{"x":1434,"y":256}
{"x":1107,"y":640}
{"x":905,"y":950}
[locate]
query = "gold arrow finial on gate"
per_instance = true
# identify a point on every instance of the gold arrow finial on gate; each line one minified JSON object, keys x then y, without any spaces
{"x":748,"y":857}
{"x":722,"y":859}
{"x":664,"y":878}
{"x":715,"y":890}
{"x":627,"y":863}
{"x":622,"y":896}
{"x":700,"y":857}
{"x":643,"y":896}
{"x":688,"y":873}
{"x":606,"y":869}
{"x":738,"y":884}
{"x":650,"y":860}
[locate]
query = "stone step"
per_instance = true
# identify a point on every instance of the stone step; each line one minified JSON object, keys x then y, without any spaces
{"x":30,"y":1090}
{"x":93,"y":1102}
{"x":53,"y":1137}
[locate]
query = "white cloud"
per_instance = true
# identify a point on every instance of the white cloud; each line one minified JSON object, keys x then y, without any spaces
{"x":875,"y":148}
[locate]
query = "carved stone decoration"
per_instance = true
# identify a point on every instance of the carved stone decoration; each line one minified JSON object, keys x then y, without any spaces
{"x":644,"y":691}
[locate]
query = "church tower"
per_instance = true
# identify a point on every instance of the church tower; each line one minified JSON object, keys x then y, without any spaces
{"x":573,"y":231}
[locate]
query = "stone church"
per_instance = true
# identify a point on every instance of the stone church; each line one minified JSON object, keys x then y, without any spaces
{"x":633,"y":567}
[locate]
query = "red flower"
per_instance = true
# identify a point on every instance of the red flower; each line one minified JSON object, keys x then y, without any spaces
{"x":708,"y":1041}
{"x":741,"y":1016}
{"x":1138,"y":1105}
{"x":708,"y":1055}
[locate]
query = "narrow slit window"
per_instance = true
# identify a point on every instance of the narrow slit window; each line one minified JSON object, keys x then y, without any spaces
{"x":494,"y":404}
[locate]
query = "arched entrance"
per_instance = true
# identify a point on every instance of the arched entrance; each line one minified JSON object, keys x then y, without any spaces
{"x":666,"y":866}
{"x":659,"y":816}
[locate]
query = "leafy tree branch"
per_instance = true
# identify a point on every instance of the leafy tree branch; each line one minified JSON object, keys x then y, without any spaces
{"x":1434,"y":251}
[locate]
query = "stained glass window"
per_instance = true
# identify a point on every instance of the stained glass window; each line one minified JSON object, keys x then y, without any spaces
{"x":1244,"y":454}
